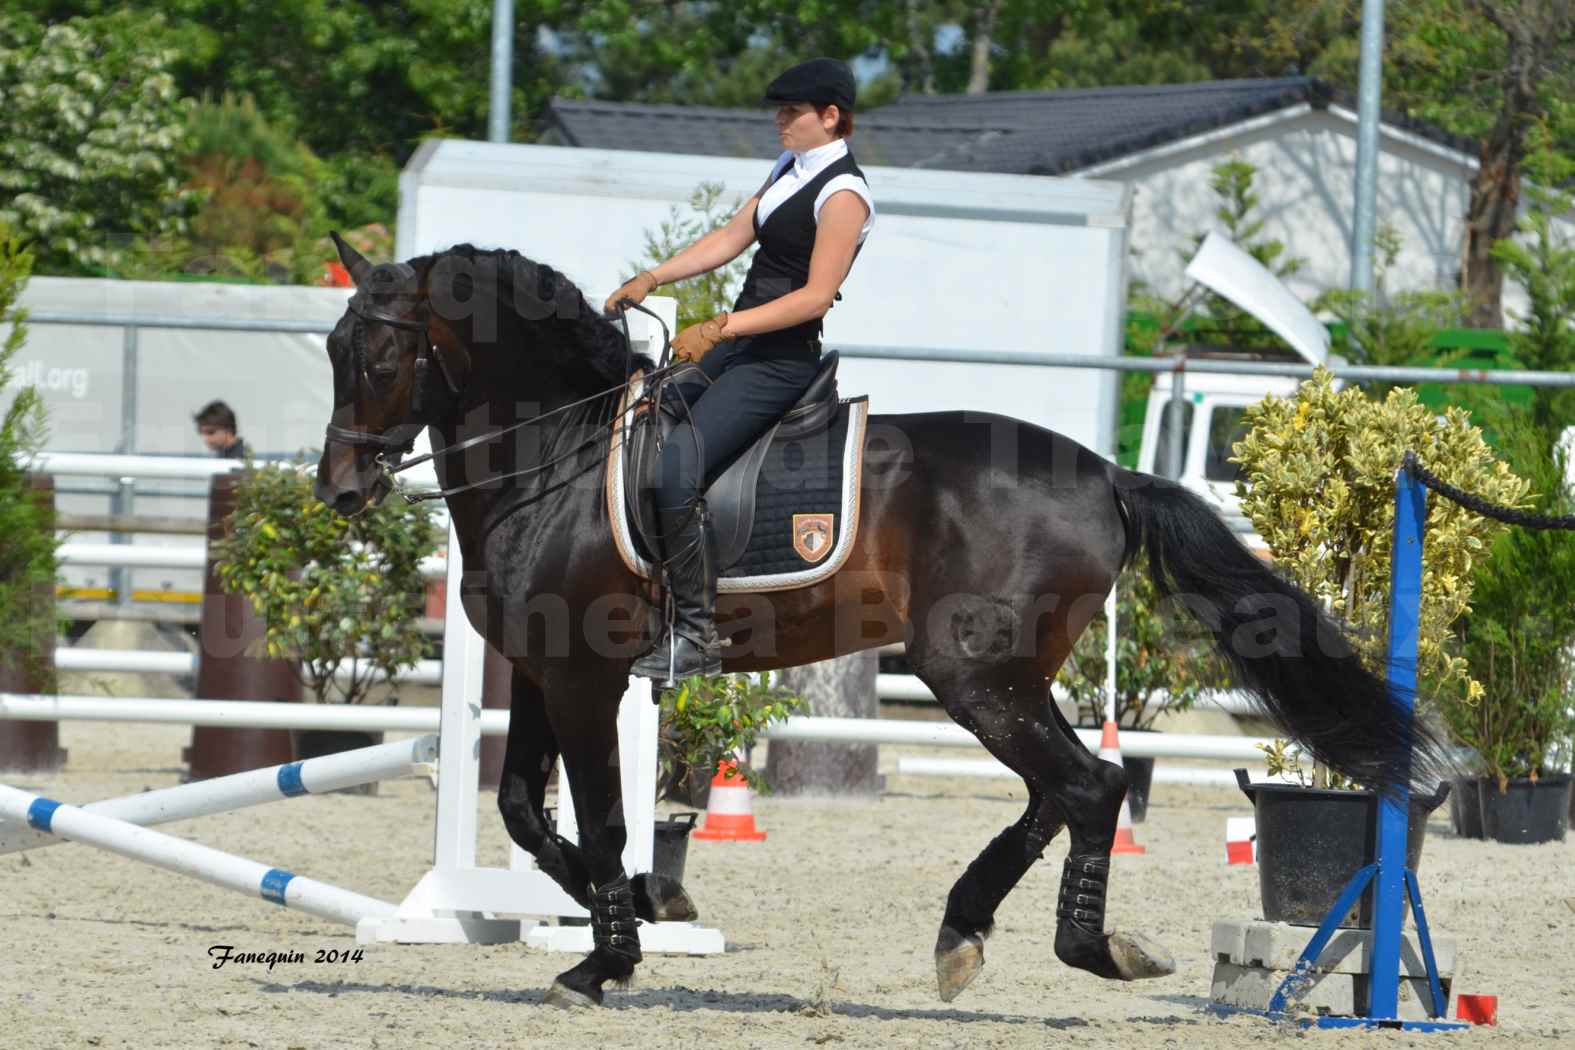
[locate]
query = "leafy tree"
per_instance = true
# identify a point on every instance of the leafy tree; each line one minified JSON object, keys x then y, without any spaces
{"x":89,"y":162}
{"x":1495,"y":71}
{"x":28,"y":545}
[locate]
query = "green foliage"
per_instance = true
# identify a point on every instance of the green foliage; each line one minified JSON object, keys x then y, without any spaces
{"x":259,"y":214}
{"x":1284,"y":760}
{"x":28,"y":546}
{"x":1391,"y":328}
{"x":328,"y":588}
{"x":1317,"y":484}
{"x":707,"y":295}
{"x":89,"y":159}
{"x":1517,"y":639}
{"x":1543,"y":263}
{"x":705,"y":720}
{"x":1158,"y":650}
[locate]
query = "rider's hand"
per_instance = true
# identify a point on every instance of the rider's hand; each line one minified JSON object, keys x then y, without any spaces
{"x":634,"y":290}
{"x":697,"y":340}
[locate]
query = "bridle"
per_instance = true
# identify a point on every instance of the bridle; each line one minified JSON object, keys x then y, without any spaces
{"x":400,"y":439}
{"x":419,"y":398}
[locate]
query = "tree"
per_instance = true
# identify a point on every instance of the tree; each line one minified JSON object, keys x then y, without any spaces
{"x":1494,"y":71}
{"x":89,"y":164}
{"x":28,"y":544}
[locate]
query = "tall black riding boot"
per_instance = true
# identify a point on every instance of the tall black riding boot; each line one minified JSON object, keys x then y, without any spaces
{"x":691,"y":647}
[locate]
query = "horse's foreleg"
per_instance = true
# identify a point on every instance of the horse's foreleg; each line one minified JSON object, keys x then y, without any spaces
{"x":585,"y":722}
{"x":522,"y":792}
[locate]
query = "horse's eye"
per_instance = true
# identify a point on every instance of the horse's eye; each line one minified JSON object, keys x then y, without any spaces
{"x":383,"y":373}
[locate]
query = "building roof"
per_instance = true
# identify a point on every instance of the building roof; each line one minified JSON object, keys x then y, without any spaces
{"x":885,"y":137}
{"x":1016,"y":132}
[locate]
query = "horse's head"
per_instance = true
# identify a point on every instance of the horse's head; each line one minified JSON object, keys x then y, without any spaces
{"x":397,"y":368}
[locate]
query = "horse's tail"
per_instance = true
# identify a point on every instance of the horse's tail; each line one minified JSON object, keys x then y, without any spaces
{"x":1282,"y":647}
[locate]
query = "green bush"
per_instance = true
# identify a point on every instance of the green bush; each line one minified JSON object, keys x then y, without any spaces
{"x":1517,"y":639}
{"x":1157,"y":651}
{"x":28,"y":562}
{"x":1318,"y":484}
{"x":705,"y":720}
{"x":329,"y":588}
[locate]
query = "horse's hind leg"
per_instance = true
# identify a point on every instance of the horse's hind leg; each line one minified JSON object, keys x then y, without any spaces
{"x":522,"y":793}
{"x":1006,"y":705}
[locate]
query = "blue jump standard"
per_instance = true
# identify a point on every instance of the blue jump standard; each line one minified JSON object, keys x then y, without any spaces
{"x":1391,"y":880}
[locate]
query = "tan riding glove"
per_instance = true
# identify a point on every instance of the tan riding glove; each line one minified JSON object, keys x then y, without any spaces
{"x":697,"y":340}
{"x":634,"y":290}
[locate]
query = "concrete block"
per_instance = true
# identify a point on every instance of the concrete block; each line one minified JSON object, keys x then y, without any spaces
{"x":1277,"y":946}
{"x":1341,"y":994}
{"x":1252,"y":958}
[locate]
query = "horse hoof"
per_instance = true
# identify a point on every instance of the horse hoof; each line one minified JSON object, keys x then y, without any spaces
{"x":658,"y":898}
{"x":566,"y":998}
{"x":955,"y":968}
{"x":1137,"y":958}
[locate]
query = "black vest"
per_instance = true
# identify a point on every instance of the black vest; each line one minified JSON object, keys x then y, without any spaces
{"x":781,"y":263}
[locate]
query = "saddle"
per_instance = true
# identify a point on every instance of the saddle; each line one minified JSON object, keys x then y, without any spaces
{"x":774,"y":507}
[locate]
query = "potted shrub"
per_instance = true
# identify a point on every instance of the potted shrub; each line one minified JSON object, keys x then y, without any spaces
{"x":28,"y":622}
{"x":1517,"y":639}
{"x":1317,"y":483}
{"x":1159,"y":668}
{"x":330,"y":589}
{"x":704,"y":721}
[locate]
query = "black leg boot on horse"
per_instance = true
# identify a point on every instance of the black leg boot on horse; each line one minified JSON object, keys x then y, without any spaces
{"x":689,"y":644}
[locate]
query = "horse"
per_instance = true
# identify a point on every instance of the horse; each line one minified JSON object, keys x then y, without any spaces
{"x":984,"y":544}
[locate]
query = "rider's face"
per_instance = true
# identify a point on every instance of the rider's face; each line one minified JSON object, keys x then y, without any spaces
{"x":801,"y":128}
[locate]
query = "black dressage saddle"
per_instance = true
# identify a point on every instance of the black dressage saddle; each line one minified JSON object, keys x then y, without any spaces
{"x":730,"y":498}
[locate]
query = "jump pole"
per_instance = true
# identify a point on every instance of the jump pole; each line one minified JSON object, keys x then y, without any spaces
{"x":241,"y":790}
{"x":188,"y":858}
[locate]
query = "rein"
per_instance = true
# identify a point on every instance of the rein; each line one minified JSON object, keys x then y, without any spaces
{"x":400,"y":447}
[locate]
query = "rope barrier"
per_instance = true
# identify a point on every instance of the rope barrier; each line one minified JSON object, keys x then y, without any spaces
{"x":1496,"y":511}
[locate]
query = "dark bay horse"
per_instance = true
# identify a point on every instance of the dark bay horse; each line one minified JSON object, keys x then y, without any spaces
{"x":984,"y":544}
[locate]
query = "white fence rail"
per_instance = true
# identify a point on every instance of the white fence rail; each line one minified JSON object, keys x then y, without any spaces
{"x":494,"y":722}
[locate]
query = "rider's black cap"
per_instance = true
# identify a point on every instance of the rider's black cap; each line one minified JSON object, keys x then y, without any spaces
{"x":827,"y":81}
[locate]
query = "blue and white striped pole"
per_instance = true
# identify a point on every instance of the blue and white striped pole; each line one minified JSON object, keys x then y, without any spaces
{"x":189,"y":858}
{"x":240,"y":790}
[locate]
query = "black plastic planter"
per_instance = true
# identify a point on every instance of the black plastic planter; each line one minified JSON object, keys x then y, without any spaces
{"x":670,"y":848}
{"x":1465,"y":807}
{"x":1311,"y":841}
{"x":1530,"y":811}
{"x":1140,"y":776}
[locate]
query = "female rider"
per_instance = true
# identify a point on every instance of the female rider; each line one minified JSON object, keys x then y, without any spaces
{"x":811,"y":216}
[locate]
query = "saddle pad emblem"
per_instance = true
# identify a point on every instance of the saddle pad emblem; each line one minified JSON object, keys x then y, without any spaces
{"x":812,"y":535}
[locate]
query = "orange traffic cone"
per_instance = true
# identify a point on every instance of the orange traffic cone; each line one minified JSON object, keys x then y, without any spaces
{"x":1110,"y":751}
{"x":728,"y":815}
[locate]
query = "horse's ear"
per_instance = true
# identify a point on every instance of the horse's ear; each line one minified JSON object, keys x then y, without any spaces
{"x":354,"y":262}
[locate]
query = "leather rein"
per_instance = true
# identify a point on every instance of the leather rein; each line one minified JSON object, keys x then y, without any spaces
{"x":392,"y":449}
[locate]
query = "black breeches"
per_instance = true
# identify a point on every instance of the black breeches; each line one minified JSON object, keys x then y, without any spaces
{"x":751,"y":387}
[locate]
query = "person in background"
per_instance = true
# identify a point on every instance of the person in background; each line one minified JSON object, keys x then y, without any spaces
{"x":216,"y":426}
